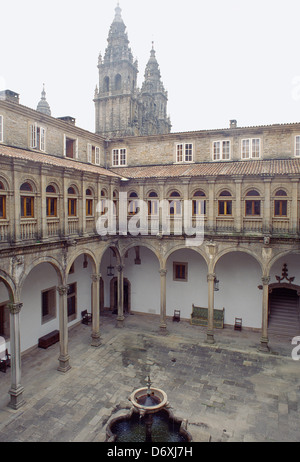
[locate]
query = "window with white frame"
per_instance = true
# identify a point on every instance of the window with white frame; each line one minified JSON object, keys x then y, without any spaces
{"x":251,"y":148}
{"x":1,"y":128}
{"x":184,"y":152}
{"x":37,"y":137}
{"x":221,"y":150}
{"x":93,"y":154}
{"x":297,"y":146}
{"x":70,"y":147}
{"x":119,"y":157}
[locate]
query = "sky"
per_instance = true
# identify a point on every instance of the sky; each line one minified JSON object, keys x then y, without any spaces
{"x":219,"y":60}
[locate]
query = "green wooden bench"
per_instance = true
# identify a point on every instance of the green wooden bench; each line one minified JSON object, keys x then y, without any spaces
{"x":199,"y":317}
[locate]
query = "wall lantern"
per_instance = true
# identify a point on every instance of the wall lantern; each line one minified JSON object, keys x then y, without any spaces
{"x":110,"y":268}
{"x":216,"y":285}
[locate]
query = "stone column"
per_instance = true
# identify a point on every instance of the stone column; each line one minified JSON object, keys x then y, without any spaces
{"x":265,"y":308}
{"x":16,"y":390}
{"x":120,"y":317}
{"x":238,"y":200}
{"x":211,"y":218}
{"x":64,"y":357}
{"x":163,"y":299}
{"x":294,"y":207}
{"x":210,"y":321}
{"x":267,"y":222}
{"x":95,"y":311}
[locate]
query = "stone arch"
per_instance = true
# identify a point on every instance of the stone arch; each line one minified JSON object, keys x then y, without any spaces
{"x":278,"y":256}
{"x":9,"y":284}
{"x":83,"y":251}
{"x":238,"y":249}
{"x":51,"y":260}
{"x":183,"y":246}
{"x":143,"y":244}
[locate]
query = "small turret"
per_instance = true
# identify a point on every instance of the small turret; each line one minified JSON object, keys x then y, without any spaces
{"x":43,"y":105}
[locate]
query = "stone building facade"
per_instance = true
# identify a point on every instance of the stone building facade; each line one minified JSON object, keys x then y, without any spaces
{"x":110,"y":225}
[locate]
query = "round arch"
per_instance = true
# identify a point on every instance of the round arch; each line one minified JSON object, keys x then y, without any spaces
{"x":241,"y":250}
{"x":9,"y":284}
{"x":278,"y":257}
{"x":51,"y":260}
{"x":183,"y":246}
{"x":143,"y":244}
{"x":83,"y":251}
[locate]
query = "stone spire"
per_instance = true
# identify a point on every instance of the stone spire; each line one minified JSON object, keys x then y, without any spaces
{"x":118,"y":43}
{"x":43,"y":105}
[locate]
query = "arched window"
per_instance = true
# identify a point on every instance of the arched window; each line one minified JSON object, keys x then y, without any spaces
{"x":252,"y":204}
{"x":118,"y":82}
{"x":152,"y":203}
{"x":174,"y":204}
{"x":280,"y":203}
{"x":106,"y":84}
{"x":225,"y":205}
{"x":2,"y":201}
{"x":51,"y":201}
{"x":133,"y":203}
{"x":27,"y":201}
{"x":199,"y":203}
{"x":72,"y":202}
{"x":89,"y":209}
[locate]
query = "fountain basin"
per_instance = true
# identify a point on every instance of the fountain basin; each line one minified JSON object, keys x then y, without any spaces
{"x":149,"y":400}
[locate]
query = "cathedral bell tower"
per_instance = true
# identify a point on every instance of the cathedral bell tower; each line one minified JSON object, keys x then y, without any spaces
{"x":116,"y":104}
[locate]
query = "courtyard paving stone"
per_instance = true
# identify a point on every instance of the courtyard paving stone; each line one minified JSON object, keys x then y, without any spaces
{"x":228,"y":391}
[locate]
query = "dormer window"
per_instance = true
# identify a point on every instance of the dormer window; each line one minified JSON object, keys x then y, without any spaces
{"x":297,"y":146}
{"x":1,"y":129}
{"x":93,"y":154}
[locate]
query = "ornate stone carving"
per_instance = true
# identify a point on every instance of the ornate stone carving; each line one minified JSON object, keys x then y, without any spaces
{"x":14,"y":308}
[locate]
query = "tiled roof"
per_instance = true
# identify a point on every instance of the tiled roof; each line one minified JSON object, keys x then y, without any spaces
{"x":232,"y":168}
{"x":55,"y":161}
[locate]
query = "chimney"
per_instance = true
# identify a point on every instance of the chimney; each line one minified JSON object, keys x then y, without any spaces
{"x":8,"y":95}
{"x":233,"y":123}
{"x":68,"y":119}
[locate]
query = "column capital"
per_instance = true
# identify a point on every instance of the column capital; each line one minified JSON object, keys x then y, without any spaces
{"x":163,"y":272}
{"x":120,"y":268}
{"x":95,"y":277}
{"x":266,"y":280}
{"x":14,"y":308}
{"x":211,"y":277}
{"x":62,"y":290}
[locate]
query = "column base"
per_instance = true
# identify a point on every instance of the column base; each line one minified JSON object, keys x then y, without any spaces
{"x":16,"y":398}
{"x":264,"y":347}
{"x":163,"y":328}
{"x":210,"y":337}
{"x":120,"y":321}
{"x":96,"y":341}
{"x":64,"y":365}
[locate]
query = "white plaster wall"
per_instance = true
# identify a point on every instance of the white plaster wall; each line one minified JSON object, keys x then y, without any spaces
{"x":239,"y":275}
{"x":180,"y":294}
{"x":145,"y":281}
{"x":44,"y":277}
{"x":4,"y":297}
{"x":293,"y":264}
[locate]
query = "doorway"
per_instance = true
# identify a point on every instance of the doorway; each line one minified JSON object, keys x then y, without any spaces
{"x":114,"y":295}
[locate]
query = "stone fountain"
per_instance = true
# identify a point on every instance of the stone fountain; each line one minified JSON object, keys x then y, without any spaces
{"x":149,"y":419}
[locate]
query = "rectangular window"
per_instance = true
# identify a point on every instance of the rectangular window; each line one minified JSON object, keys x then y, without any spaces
{"x":1,"y":128}
{"x":221,"y":150}
{"x":48,"y":304}
{"x":27,"y":207}
{"x":118,"y":157}
{"x":89,"y":207}
{"x":70,"y":147}
{"x":199,"y":207}
{"x":72,"y":301}
{"x":180,"y":271}
{"x":297,"y":146}
{"x":153,"y":207}
{"x":72,"y":209}
{"x":225,"y":207}
{"x":37,"y":137}
{"x":252,"y":208}
{"x":184,"y":152}
{"x":4,"y":320}
{"x":51,"y":206}
{"x":2,"y":206}
{"x":251,"y":148}
{"x":93,"y":154}
{"x":280,"y":208}
{"x":174,"y":208}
